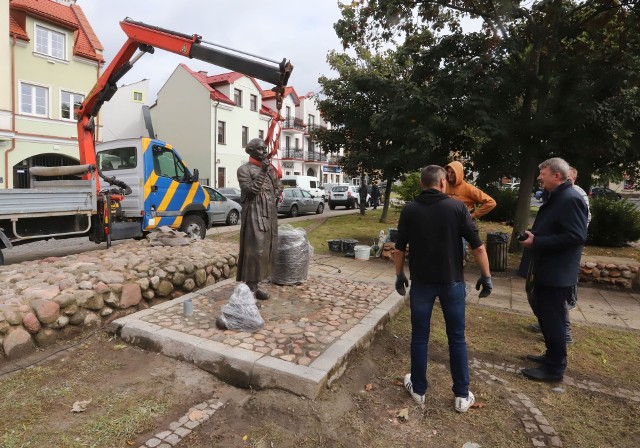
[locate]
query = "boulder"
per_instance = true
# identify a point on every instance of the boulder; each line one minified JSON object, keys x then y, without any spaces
{"x":46,"y":337}
{"x":131,"y":295}
{"x":164,"y":288}
{"x":46,"y":310}
{"x":17,"y":343}
{"x":31,"y":323}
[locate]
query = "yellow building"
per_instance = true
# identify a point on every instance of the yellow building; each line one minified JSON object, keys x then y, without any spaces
{"x":54,"y":59}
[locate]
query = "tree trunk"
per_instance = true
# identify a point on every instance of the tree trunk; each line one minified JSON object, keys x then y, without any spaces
{"x":523,"y":205}
{"x":362,"y":192}
{"x":387,"y":200}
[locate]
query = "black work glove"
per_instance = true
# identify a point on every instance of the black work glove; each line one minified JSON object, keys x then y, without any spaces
{"x":486,"y":284}
{"x":401,"y":284}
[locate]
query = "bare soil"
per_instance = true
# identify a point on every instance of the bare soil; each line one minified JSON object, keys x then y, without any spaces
{"x":136,"y":394}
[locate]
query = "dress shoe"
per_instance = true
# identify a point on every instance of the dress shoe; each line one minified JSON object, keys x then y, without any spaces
{"x":261,"y":295}
{"x":542,"y":359}
{"x":540,"y":374}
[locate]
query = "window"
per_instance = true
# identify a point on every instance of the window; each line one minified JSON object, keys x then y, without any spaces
{"x":245,"y":136}
{"x":253,"y":102}
{"x":117,"y":159}
{"x":69,"y":102}
{"x":34,"y":100}
{"x":297,"y":143}
{"x":49,"y":42}
{"x":261,"y":134}
{"x":166,"y":164}
{"x":287,"y":142}
{"x":306,"y":194}
{"x":288,"y":113}
{"x":237,"y":97}
{"x":137,"y":96}
{"x":222,"y":134}
{"x":311,"y":120}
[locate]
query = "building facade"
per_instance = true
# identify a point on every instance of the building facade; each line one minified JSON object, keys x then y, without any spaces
{"x":121,"y":117}
{"x":54,"y":59}
{"x":225,"y":112}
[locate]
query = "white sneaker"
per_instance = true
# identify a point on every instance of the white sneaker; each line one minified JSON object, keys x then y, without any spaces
{"x":407,"y":385}
{"x":463,"y":404}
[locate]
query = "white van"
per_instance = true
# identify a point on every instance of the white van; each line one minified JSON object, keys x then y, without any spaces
{"x":309,"y":183}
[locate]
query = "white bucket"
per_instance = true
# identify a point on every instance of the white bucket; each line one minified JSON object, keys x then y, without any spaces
{"x":362,"y":252}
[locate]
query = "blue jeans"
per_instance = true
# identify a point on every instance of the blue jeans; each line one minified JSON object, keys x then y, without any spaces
{"x":422,"y":297}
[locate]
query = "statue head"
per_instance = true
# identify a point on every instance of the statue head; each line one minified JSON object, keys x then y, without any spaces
{"x":257,"y":149}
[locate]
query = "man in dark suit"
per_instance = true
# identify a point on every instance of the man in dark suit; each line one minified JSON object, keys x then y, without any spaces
{"x":555,"y":244}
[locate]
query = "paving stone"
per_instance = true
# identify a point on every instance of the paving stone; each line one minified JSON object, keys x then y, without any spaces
{"x":182,"y":432}
{"x":172,"y":439}
{"x":153,"y":443}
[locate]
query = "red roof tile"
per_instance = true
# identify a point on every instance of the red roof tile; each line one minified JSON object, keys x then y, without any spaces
{"x":203,"y":79}
{"x":86,"y":43}
{"x":17,"y":30}
{"x":231,"y":77}
{"x":270,"y":94}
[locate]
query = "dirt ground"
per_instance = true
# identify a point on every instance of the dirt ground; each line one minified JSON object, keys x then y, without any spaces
{"x":135,"y":394}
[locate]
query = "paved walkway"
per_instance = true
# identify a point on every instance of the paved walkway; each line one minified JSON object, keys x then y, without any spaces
{"x":618,"y":308}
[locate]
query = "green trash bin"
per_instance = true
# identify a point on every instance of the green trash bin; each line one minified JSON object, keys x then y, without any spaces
{"x":497,"y":245}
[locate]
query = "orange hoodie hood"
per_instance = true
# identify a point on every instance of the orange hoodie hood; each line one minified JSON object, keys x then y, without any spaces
{"x":478,"y":202}
{"x":459,"y":170}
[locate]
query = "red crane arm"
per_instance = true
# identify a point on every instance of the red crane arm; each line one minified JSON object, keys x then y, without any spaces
{"x":146,"y":38}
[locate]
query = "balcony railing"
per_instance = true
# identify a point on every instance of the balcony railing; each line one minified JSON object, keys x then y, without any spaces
{"x":292,"y":153}
{"x":293,"y":123}
{"x":313,"y":126}
{"x":311,"y":156}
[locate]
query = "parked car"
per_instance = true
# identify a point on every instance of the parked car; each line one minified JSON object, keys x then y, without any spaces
{"x":294,"y":201}
{"x":604,"y":192}
{"x":346,"y":195}
{"x":512,"y":186}
{"x":222,"y":210}
{"x":309,"y":183}
{"x":231,"y":193}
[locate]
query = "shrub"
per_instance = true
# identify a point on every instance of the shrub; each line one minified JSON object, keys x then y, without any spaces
{"x":505,"y":204}
{"x":409,"y":189}
{"x":613,"y":223}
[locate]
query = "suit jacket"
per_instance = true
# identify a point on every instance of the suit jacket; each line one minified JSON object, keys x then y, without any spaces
{"x":560,"y":231}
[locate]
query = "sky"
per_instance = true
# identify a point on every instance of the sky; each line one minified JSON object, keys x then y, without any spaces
{"x":299,"y":30}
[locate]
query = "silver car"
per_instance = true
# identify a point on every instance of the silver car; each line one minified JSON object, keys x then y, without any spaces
{"x":222,"y":210}
{"x":294,"y":201}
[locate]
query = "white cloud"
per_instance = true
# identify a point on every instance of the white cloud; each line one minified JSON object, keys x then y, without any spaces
{"x":299,"y":30}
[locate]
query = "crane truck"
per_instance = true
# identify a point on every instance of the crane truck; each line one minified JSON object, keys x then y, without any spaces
{"x":146,"y":184}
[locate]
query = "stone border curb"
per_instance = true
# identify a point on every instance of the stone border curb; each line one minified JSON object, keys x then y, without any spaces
{"x":248,"y":369}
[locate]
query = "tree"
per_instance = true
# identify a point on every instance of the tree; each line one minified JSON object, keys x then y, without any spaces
{"x":371,"y":108}
{"x":541,"y":79}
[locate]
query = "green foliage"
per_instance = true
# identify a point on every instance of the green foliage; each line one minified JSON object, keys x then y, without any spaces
{"x":505,"y":204}
{"x":409,"y":189}
{"x":613,"y":223}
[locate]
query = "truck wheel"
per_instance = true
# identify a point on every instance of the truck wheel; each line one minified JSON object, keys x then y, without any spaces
{"x":320,"y":208}
{"x":233,"y":217}
{"x":294,"y":211}
{"x":1,"y":258}
{"x":194,"y":227}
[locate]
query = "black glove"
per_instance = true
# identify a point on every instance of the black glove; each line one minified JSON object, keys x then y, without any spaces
{"x":401,"y":284}
{"x":486,"y":284}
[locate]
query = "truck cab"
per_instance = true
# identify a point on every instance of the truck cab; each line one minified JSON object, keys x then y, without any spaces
{"x":164,"y":192}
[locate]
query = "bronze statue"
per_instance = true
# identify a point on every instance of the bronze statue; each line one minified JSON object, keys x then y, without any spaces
{"x":259,"y":186}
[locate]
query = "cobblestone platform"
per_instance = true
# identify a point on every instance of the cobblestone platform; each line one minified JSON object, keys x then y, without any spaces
{"x":310,"y":331}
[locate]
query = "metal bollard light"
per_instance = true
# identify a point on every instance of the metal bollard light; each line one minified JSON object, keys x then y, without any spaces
{"x":187,"y":308}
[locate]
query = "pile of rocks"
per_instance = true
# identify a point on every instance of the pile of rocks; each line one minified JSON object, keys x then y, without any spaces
{"x":612,"y":274}
{"x":45,"y":300}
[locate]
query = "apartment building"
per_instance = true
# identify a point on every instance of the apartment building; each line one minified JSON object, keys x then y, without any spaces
{"x":210,"y":119}
{"x":54,"y":59}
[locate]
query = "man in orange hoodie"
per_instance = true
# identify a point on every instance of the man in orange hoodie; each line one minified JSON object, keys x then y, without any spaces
{"x":478,"y":202}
